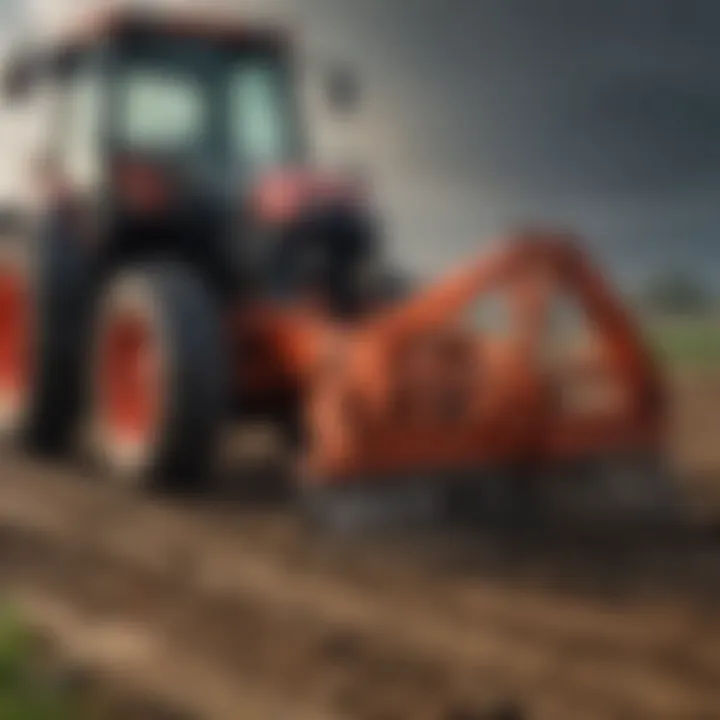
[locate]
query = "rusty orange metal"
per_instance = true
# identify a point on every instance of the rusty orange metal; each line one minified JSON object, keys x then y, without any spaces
{"x":413,"y":388}
{"x":15,"y":340}
{"x":129,"y":380}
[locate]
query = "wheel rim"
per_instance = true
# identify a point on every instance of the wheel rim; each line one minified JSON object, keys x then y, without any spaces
{"x":129,"y":395}
{"x":15,"y":316}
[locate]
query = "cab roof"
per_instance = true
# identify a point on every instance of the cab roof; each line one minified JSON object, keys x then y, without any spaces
{"x":22,"y":66}
{"x":226,"y":29}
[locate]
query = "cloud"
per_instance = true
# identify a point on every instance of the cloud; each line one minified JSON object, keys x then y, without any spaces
{"x":603,"y":114}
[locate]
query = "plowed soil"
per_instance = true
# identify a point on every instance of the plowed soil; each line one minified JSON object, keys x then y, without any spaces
{"x":233,"y":607}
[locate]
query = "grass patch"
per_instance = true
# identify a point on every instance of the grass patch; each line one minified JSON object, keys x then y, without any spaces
{"x":25,"y":694}
{"x":693,"y":342}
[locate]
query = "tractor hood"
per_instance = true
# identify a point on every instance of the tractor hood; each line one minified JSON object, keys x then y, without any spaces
{"x":281,"y":196}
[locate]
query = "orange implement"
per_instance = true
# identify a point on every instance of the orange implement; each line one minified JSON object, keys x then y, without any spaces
{"x":419,"y":387}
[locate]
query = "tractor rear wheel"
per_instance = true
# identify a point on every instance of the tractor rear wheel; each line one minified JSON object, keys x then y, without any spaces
{"x":158,"y":393}
{"x":15,"y":344}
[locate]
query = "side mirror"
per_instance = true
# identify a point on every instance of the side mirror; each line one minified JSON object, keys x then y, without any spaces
{"x":15,"y":80}
{"x":343,"y":89}
{"x":21,"y":72}
{"x":29,"y":66}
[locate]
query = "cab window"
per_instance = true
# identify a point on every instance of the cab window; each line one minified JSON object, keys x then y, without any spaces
{"x":162,"y":110}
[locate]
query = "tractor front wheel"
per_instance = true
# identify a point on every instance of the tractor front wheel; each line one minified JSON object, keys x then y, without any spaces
{"x":158,"y":395}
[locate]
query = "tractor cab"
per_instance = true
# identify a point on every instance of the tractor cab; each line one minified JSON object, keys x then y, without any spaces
{"x":204,"y":99}
{"x":182,"y":137}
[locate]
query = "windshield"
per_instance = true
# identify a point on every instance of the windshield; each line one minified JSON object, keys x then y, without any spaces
{"x":194,"y":99}
{"x":260,"y":116}
{"x":163,"y":110}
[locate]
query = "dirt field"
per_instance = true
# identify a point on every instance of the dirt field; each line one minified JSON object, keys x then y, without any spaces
{"x":232,"y":608}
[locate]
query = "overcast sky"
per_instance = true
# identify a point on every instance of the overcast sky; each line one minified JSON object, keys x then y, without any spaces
{"x":603,"y":115}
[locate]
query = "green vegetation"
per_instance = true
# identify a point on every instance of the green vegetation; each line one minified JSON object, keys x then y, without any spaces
{"x":678,"y":292}
{"x":680,"y":312}
{"x":24,"y":694}
{"x":692,"y":341}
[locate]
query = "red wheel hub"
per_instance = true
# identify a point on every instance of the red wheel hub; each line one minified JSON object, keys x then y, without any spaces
{"x":15,"y":319}
{"x":129,"y":380}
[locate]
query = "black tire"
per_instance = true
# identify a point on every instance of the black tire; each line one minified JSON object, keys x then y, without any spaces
{"x":184,"y":321}
{"x":55,"y":276}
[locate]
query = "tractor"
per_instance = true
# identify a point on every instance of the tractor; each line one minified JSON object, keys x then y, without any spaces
{"x":190,"y":268}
